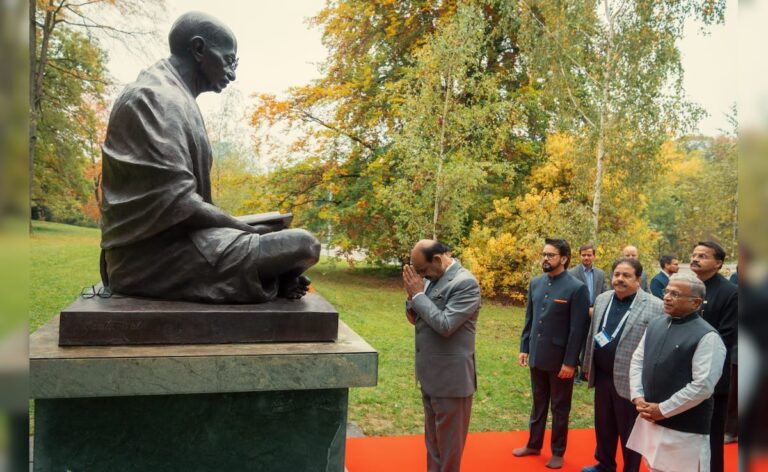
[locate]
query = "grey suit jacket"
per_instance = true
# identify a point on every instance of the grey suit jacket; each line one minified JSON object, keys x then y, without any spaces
{"x":646,"y":308}
{"x":598,"y":276}
{"x":445,"y":334}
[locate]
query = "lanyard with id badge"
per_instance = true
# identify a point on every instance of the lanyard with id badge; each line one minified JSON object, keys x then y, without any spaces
{"x":603,"y":338}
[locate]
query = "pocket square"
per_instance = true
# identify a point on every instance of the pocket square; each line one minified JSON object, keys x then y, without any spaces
{"x":560,"y":301}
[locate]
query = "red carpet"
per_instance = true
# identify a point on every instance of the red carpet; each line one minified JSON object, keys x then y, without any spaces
{"x":485,"y":452}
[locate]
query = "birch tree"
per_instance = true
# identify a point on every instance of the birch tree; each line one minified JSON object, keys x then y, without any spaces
{"x":610,"y":71}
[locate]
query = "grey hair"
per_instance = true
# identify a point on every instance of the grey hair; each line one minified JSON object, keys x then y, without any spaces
{"x":697,"y":286}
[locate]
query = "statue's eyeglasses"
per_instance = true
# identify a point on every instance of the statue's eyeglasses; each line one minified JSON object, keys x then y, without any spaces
{"x":92,"y":291}
{"x":232,"y":62}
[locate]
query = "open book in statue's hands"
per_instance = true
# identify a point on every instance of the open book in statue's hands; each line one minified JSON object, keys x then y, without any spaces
{"x":273,"y":219}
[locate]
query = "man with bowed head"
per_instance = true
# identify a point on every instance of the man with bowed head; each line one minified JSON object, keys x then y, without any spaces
{"x":444,"y":311}
{"x":672,"y":376}
{"x":162,"y":236}
{"x":619,"y":322}
{"x":556,"y":320}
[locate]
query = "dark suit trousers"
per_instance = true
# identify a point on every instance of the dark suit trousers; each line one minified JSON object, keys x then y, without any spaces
{"x":446,"y":423}
{"x":548,"y":388}
{"x":717,"y":433}
{"x":614,"y":420}
{"x":732,"y":415}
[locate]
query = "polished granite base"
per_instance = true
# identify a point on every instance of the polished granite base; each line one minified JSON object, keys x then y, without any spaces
{"x":288,"y":431}
{"x":107,"y":371}
{"x":274,"y":407}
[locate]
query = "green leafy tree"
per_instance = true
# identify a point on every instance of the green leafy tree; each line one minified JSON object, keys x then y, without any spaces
{"x":695,"y":198}
{"x":610,"y":72}
{"x":67,"y":129}
{"x":68,"y":86}
{"x":444,"y":152}
{"x":356,"y":124}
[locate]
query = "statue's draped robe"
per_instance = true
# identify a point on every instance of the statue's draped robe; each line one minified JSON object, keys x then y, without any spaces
{"x":156,"y":172}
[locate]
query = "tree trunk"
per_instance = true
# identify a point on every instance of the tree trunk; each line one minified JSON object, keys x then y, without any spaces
{"x":602,"y":123}
{"x":443,"y":125}
{"x":36,"y":74}
{"x":32,"y":112}
{"x":597,"y":198}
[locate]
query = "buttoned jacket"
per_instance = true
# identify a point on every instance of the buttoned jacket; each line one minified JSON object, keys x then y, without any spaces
{"x":556,"y":320}
{"x":446,"y":321}
{"x":646,"y":307}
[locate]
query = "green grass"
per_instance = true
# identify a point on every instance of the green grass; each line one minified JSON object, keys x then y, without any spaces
{"x":371,"y":301}
{"x":64,"y":259}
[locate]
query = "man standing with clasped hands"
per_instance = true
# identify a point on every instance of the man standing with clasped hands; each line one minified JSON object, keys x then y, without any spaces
{"x":672,"y":376}
{"x":444,"y":311}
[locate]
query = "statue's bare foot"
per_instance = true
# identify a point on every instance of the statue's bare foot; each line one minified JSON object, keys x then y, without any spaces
{"x":294,"y":288}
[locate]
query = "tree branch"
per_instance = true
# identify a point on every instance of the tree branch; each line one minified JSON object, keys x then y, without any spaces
{"x":106,"y":28}
{"x":572,"y":98}
{"x":568,"y":56}
{"x":319,"y":121}
{"x":77,"y":76}
{"x":78,"y":5}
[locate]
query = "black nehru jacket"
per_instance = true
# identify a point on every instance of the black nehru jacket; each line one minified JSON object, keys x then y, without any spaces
{"x":670,"y":344}
{"x":721,"y":310}
{"x":556,"y":321}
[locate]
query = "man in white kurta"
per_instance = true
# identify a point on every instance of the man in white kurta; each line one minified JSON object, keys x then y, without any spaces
{"x":672,"y":376}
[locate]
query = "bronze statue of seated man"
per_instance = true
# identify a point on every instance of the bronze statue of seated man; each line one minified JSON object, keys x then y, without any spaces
{"x":162,"y":236}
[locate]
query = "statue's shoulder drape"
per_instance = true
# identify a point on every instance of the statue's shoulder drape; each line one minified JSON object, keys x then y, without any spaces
{"x":156,"y":158}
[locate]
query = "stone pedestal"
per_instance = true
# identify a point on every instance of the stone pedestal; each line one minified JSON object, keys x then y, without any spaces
{"x":121,"y":320}
{"x":249,"y":407}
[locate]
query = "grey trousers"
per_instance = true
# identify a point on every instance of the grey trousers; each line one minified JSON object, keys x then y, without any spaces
{"x":446,"y":423}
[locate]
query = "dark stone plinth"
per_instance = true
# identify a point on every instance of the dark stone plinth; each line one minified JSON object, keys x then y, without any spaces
{"x":288,"y":431}
{"x":123,"y":320}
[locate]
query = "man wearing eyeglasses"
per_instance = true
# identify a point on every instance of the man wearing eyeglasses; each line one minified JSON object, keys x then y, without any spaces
{"x":720,"y":309}
{"x":619,"y":321}
{"x":672,"y":377}
{"x":556,"y":319}
{"x":443,"y":305}
{"x":162,"y":236}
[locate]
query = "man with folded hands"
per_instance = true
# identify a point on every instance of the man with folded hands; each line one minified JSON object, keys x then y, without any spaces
{"x":672,"y":377}
{"x":556,"y":321}
{"x":443,"y":305}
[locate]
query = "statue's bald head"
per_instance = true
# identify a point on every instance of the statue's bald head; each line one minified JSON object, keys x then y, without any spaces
{"x":192,"y":24}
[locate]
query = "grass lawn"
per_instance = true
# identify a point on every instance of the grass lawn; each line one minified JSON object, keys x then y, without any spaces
{"x":371,"y":301}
